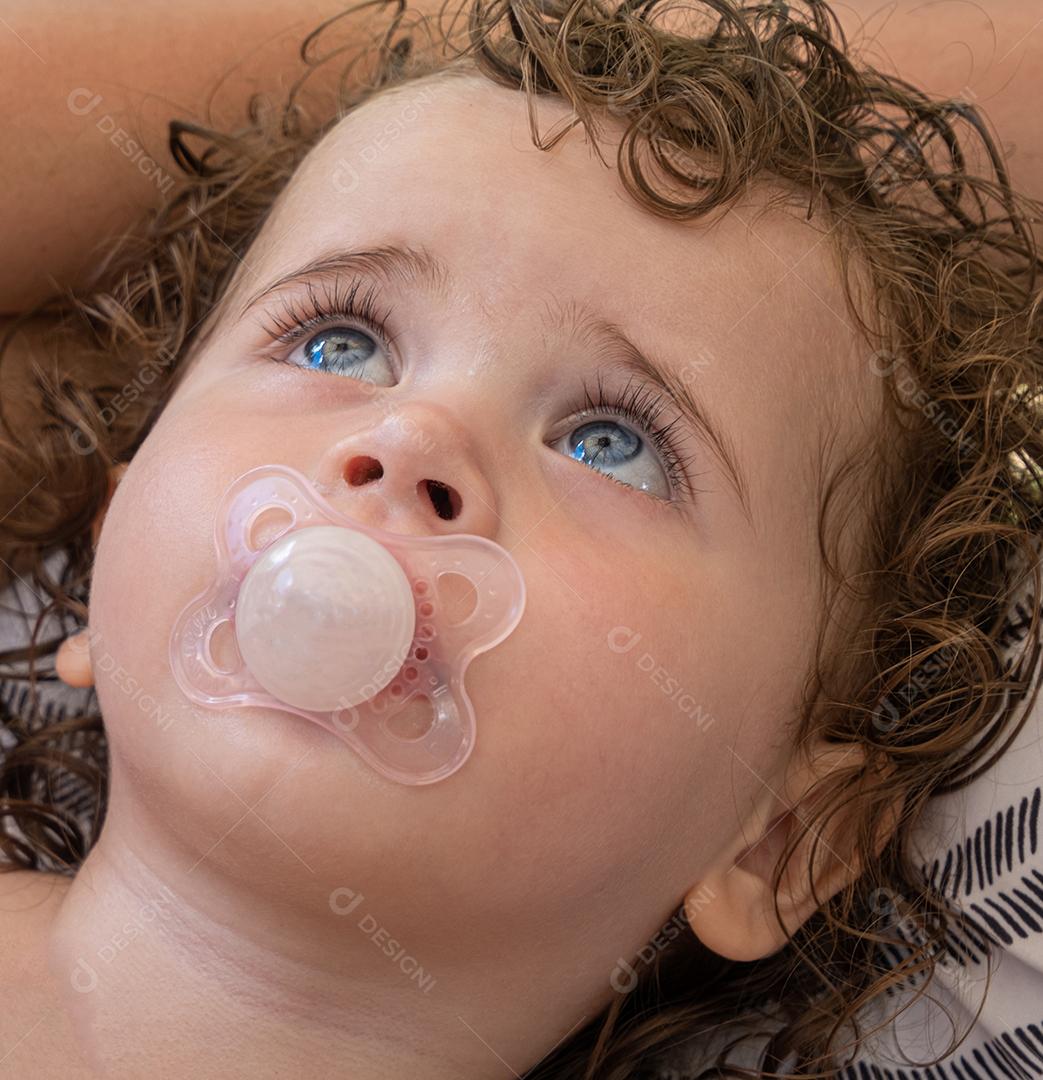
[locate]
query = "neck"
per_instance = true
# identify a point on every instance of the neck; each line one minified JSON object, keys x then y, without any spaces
{"x":166,"y":968}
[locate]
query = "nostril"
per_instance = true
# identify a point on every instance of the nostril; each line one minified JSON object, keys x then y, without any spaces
{"x":445,"y":500}
{"x":361,"y":470}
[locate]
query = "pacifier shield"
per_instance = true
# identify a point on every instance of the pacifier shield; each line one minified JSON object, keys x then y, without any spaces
{"x":345,"y":624}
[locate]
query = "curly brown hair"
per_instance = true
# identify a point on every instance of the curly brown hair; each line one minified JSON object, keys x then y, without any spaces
{"x":915,"y":186}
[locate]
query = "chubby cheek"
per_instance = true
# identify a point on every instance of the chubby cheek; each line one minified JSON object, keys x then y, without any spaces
{"x":642,"y":709}
{"x":156,"y":551}
{"x":608,"y":714}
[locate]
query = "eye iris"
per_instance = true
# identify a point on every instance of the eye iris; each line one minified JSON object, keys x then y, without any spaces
{"x":332,"y":349}
{"x":603,"y":443}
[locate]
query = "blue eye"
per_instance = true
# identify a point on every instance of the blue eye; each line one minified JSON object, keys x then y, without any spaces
{"x":317,"y":328}
{"x":342,"y":350}
{"x":611,"y":448}
{"x":602,"y":443}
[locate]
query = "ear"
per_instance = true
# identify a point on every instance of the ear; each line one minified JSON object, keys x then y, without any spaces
{"x":72,"y":663}
{"x":738,"y":921}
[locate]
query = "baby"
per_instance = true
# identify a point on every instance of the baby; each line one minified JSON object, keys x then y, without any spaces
{"x":724,"y":340}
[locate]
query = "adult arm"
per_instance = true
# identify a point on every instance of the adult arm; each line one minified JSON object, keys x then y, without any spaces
{"x":90,"y":89}
{"x":89,"y":98}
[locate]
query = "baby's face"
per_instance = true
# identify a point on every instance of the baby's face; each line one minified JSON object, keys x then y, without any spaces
{"x":641,"y":704}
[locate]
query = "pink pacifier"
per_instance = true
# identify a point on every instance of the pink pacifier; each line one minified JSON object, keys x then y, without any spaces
{"x":345,"y":624}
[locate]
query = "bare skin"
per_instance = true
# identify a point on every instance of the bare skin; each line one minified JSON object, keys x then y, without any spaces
{"x":36,"y":1035}
{"x":98,"y":93}
{"x":154,"y":989}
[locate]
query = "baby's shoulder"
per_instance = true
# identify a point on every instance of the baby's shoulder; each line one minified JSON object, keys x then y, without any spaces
{"x":32,"y":886}
{"x":29,"y":901}
{"x":35,"y":1037}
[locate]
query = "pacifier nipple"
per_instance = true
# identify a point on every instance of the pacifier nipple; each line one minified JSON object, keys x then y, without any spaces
{"x":325,"y":618}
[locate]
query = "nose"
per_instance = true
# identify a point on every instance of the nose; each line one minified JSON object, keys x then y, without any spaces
{"x":413,"y":472}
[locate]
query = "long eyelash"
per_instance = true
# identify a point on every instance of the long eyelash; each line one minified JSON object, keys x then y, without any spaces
{"x":643,"y":405}
{"x":328,"y":303}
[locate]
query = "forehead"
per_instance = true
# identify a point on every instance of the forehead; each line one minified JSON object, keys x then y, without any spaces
{"x":747,"y":303}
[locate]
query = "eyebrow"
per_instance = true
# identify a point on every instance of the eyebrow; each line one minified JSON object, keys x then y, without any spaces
{"x":395,"y":264}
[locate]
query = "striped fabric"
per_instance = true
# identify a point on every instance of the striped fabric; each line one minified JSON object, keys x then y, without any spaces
{"x":982,"y":848}
{"x":20,"y":605}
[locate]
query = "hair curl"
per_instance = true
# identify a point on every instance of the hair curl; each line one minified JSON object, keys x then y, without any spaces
{"x":747,"y":90}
